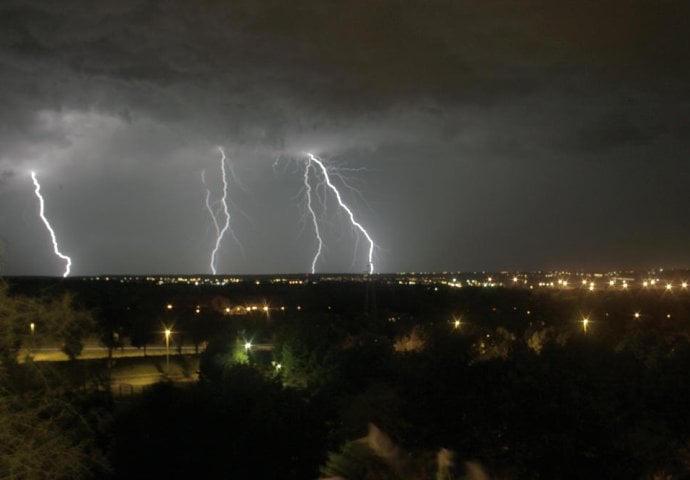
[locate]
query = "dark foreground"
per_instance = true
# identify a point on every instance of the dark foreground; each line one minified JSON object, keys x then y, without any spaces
{"x":361,"y":381}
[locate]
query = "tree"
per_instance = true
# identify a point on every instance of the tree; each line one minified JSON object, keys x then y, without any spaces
{"x":141,"y":328}
{"x":42,"y":434}
{"x":71,"y":326}
{"x":200,"y":325}
{"x":16,"y":316}
{"x":249,"y":427}
{"x":34,"y":442}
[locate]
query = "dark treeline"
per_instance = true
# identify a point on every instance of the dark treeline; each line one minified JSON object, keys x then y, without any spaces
{"x":371,"y":381}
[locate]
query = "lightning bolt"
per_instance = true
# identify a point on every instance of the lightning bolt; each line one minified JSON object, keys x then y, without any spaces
{"x":41,"y":213}
{"x":307,"y":187}
{"x":208,"y":204}
{"x":327,"y":179}
{"x":223,"y":211}
{"x":226,"y":213}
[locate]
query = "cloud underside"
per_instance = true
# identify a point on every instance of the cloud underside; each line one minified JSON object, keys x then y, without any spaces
{"x":460,"y":98}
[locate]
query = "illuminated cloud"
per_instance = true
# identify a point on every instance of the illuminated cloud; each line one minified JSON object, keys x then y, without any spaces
{"x":482,"y":124}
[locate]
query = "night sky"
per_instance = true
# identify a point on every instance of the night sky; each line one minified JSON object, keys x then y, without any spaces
{"x":480,"y":135}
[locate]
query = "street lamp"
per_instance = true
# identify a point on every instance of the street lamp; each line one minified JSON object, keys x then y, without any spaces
{"x":247,"y":346}
{"x":167,"y":332}
{"x":585,"y":323}
{"x":32,"y":329}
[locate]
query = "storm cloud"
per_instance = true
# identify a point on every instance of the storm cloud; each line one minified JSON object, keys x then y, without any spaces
{"x":481,"y":135}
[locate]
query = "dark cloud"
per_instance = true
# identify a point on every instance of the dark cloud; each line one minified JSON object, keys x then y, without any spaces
{"x":612,"y":131}
{"x":470,"y":105}
{"x":5,"y":176}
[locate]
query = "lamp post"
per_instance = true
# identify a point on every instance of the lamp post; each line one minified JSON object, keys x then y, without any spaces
{"x":32,"y":329}
{"x":167,"y":332}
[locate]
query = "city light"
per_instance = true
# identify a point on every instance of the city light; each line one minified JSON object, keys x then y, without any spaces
{"x":585,"y":324}
{"x":169,"y":306}
{"x":247,"y":346}
{"x":637,"y":315}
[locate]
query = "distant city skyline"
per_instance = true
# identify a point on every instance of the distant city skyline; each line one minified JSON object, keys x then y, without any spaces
{"x":463,"y":136}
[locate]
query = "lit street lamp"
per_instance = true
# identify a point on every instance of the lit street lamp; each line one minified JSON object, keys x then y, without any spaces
{"x":32,"y":329}
{"x":167,"y":332}
{"x":585,"y":323}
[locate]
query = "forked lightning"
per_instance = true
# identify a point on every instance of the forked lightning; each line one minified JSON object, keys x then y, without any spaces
{"x":224,"y":203}
{"x":41,"y":213}
{"x":310,"y":207}
{"x":313,"y":160}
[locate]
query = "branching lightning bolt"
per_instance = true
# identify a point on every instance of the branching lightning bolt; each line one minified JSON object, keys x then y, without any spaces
{"x":226,"y":225}
{"x":208,"y":204}
{"x":41,"y":213}
{"x":336,"y":192}
{"x":307,"y":187}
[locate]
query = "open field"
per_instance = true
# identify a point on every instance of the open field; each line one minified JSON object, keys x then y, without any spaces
{"x":91,"y":352}
{"x":132,"y":375}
